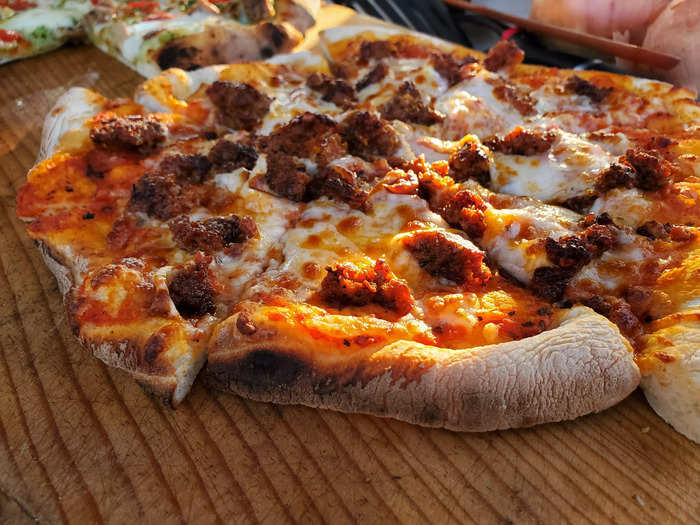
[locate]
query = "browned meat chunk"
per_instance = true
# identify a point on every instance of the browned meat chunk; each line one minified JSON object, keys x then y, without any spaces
{"x":349,"y":181}
{"x":520,"y":100}
{"x":504,"y":54}
{"x":615,"y":176}
{"x":575,"y":251}
{"x":466,"y":211}
{"x":578,"y":85}
{"x":377,"y":74}
{"x":227,"y":155}
{"x":287,"y":177}
{"x":407,"y":105}
{"x":186,"y":169}
{"x":523,"y":142}
{"x":369,"y":136}
{"x":652,"y":172}
{"x":134,"y":132}
{"x":654,"y":230}
{"x":336,"y":91}
{"x":348,"y":285}
{"x":159,"y":196}
{"x":211,"y":235}
{"x":470,"y":162}
{"x":448,"y":256}
{"x":240,"y":105}
{"x":304,"y":136}
{"x":448,"y":67}
{"x":191,"y":290}
{"x":377,"y":50}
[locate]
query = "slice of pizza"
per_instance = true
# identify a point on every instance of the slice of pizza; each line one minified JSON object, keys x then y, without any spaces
{"x":31,"y":27}
{"x":153,"y":35}
{"x":151,"y":229}
{"x":384,"y":309}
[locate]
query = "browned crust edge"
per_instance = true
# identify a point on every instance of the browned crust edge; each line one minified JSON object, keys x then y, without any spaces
{"x":581,"y":367}
{"x":170,"y":388}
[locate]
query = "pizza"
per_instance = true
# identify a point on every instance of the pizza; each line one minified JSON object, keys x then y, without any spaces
{"x":151,"y":35}
{"x":396,"y":226}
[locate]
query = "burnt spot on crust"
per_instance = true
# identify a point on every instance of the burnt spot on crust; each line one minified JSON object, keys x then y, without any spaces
{"x":349,"y":285}
{"x":227,"y":155}
{"x":448,"y":256}
{"x":174,"y":54}
{"x":191,"y":290}
{"x":334,"y":90}
{"x":186,"y":169}
{"x":240,"y":105}
{"x":448,"y":67}
{"x":134,"y":132}
{"x":158,"y":195}
{"x":505,"y":54}
{"x":276,"y":36}
{"x":522,"y":142}
{"x":550,"y":282}
{"x":211,"y":235}
{"x":266,"y":370}
{"x":153,"y":348}
{"x":579,"y":86}
{"x":368,"y":135}
{"x":407,"y":105}
{"x":470,"y":162}
{"x":376,"y":74}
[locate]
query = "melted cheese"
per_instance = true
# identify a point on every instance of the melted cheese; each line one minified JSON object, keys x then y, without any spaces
{"x":568,"y":169}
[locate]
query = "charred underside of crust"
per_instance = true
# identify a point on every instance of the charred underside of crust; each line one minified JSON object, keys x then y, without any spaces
{"x":583,"y":366}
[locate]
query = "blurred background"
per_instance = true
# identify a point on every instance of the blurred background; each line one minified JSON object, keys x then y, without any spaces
{"x":668,"y":26}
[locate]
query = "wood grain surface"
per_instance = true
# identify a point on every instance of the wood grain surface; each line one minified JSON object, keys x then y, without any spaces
{"x":82,"y":443}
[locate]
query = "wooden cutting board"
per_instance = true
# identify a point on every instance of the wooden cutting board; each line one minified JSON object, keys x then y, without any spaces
{"x":82,"y":443}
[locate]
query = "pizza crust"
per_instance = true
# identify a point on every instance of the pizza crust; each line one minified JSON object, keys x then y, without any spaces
{"x":171,"y":387}
{"x":582,"y":366}
{"x":671,"y":380}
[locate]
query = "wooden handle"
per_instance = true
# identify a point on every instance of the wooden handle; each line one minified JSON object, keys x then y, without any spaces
{"x":630,"y":52}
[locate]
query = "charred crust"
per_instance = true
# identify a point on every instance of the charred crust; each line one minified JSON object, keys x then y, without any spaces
{"x":260,"y":370}
{"x":175,"y":54}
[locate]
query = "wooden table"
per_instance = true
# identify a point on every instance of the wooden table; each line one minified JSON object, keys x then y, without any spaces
{"x":80,"y":442}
